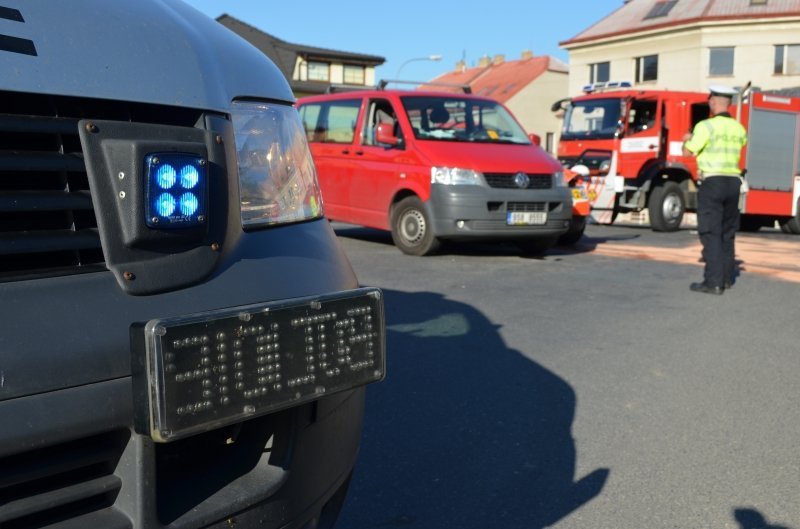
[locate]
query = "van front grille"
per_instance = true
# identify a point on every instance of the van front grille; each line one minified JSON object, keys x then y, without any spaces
{"x":47,"y":220}
{"x":526,"y":206}
{"x":507,"y":181}
{"x":69,"y":485}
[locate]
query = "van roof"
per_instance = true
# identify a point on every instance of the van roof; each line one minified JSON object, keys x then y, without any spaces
{"x":390,"y":93}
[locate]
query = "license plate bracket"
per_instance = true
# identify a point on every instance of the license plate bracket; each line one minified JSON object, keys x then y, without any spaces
{"x":203,"y":371}
{"x":526,"y":218}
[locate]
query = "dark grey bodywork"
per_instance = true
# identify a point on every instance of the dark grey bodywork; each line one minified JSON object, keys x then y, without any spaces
{"x":69,"y":457}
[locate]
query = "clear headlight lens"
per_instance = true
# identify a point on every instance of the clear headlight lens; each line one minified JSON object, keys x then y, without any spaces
{"x":454,"y":176}
{"x":558,"y":179}
{"x":277,"y":178}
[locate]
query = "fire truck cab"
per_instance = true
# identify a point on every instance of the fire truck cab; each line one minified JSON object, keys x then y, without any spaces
{"x":631,"y":143}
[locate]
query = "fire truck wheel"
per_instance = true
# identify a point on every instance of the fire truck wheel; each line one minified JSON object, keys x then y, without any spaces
{"x":793,"y":225}
{"x":412,"y":230}
{"x":577,"y":225}
{"x":666,"y":207}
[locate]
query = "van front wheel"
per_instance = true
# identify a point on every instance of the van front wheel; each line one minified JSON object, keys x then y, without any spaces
{"x":412,"y":230}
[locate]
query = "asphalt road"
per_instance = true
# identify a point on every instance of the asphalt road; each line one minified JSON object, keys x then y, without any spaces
{"x":588,"y":389}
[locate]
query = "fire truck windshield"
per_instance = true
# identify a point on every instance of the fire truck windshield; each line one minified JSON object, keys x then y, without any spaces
{"x":593,"y":119}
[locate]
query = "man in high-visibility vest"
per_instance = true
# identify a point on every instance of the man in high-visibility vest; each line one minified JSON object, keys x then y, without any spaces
{"x":717,"y":143}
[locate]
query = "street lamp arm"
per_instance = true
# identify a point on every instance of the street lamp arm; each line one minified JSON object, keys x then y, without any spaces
{"x":434,"y":57}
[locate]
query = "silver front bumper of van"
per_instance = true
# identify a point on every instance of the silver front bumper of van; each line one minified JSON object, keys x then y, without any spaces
{"x":478,"y":212}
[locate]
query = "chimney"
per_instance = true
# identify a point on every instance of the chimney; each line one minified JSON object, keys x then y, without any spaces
{"x":461,"y":67}
{"x":526,"y":54}
{"x":484,"y":61}
{"x":499,"y":59}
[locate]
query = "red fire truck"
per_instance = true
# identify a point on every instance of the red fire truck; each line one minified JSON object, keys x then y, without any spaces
{"x":629,"y":144}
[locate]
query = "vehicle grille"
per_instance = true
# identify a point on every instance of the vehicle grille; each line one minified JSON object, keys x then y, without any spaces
{"x":69,"y":485}
{"x":506,"y":181}
{"x":47,"y":220}
{"x":526,"y":206}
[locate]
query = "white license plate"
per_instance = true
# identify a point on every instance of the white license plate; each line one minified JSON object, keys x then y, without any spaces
{"x":526,"y":218}
{"x":203,"y":371}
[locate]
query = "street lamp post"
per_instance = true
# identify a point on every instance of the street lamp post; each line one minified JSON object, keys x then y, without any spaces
{"x":428,"y":58}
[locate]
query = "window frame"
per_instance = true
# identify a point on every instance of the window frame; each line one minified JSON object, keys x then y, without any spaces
{"x":660,"y":9}
{"x":594,"y":72}
{"x":321,"y":131}
{"x":642,"y":68}
{"x":782,"y":60}
{"x":711,"y":50}
{"x":353,"y":67}
{"x":315,"y":79}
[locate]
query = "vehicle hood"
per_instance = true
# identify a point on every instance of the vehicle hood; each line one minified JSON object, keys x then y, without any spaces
{"x":489,"y":157}
{"x":150,"y":51}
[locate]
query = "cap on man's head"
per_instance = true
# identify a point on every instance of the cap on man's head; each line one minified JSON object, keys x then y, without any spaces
{"x":722,"y":90}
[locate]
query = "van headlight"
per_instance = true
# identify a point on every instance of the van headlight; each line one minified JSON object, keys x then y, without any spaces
{"x":277,"y":178}
{"x":454,"y":176}
{"x":558,"y":179}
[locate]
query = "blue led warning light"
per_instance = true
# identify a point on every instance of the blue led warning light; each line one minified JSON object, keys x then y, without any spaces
{"x":188,"y":204}
{"x":165,"y":205}
{"x":165,"y":176}
{"x":175,"y":190}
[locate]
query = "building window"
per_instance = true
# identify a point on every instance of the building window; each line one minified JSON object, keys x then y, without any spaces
{"x":720,"y":61}
{"x":599,"y":72}
{"x":787,"y":59}
{"x":646,"y":68}
{"x":319,"y":71}
{"x":661,"y":9}
{"x":354,"y":74}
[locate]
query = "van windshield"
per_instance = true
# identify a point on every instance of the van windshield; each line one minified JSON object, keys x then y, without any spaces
{"x":593,"y":119}
{"x":443,"y":118}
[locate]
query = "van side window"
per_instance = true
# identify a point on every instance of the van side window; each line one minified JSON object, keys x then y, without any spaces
{"x":379,"y":111}
{"x":330,"y":122}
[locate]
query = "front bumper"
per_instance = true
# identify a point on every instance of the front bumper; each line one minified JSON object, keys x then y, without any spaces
{"x":69,"y":450}
{"x":469,"y":212}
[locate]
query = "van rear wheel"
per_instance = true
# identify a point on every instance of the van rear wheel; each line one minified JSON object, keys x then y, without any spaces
{"x":412,"y":230}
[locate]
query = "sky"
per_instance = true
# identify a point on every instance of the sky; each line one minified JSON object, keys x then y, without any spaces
{"x":407,"y":32}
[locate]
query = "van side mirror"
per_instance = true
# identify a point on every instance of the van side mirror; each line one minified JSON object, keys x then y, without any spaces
{"x":535,"y":139}
{"x":384,"y":133}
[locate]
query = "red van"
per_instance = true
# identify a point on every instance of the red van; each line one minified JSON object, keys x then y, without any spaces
{"x":430,"y":166}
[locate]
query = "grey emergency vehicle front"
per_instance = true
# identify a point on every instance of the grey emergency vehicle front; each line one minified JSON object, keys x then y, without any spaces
{"x":184,"y":344}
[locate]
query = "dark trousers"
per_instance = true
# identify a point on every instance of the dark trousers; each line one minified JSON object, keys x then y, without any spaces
{"x":717,"y":222}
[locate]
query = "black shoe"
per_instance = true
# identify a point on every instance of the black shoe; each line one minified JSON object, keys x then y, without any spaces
{"x":705,"y":289}
{"x":727,"y":285}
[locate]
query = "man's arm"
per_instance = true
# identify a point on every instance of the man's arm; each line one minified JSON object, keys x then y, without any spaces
{"x":687,"y":137}
{"x":695,"y":141}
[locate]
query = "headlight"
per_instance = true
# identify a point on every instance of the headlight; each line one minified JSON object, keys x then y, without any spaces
{"x":277,"y":179}
{"x":558,"y":179}
{"x":453,"y":176}
{"x":605,"y":167}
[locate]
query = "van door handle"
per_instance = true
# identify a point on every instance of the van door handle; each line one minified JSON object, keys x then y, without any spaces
{"x":345,"y":151}
{"x":359,"y":153}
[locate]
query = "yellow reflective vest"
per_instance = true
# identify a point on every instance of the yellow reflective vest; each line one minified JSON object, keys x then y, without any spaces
{"x":717,"y":142}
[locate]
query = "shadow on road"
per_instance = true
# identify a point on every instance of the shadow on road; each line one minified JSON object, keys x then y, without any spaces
{"x":483,"y":248}
{"x":752,"y":519}
{"x":464,"y":432}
